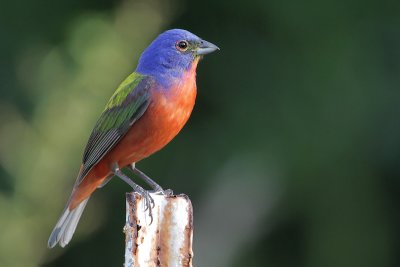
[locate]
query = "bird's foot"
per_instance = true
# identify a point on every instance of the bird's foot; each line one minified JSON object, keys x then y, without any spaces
{"x":162,"y":192}
{"x":168,"y":192}
{"x":148,"y":203}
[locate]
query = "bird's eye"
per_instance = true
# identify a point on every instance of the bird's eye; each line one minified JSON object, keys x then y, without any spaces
{"x":182,"y":45}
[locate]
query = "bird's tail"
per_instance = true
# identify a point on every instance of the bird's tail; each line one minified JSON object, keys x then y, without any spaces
{"x":66,"y":225}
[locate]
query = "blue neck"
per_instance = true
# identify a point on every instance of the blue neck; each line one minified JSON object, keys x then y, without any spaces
{"x":163,"y":65}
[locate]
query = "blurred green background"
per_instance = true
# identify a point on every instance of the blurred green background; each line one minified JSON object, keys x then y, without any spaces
{"x":292,"y":154}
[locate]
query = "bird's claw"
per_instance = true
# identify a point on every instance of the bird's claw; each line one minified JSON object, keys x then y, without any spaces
{"x":148,"y":203}
{"x":162,"y":192}
{"x":168,"y":192}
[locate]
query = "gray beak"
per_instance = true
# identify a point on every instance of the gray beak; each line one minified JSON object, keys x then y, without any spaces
{"x":206,"y":48}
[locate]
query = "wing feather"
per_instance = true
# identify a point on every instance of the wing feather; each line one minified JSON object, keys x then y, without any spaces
{"x":124,"y":108}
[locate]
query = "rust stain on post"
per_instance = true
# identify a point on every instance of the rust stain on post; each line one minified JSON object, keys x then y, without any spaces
{"x":167,"y":241}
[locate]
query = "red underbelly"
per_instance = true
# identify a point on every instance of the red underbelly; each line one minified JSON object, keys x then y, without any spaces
{"x":162,"y":121}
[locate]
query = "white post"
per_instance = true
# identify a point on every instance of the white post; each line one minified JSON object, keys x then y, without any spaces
{"x":167,"y":241}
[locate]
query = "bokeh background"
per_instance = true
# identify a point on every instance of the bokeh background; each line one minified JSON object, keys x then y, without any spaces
{"x":292,"y":154}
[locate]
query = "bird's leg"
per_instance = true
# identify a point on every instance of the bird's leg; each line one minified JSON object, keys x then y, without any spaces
{"x":156,"y":187}
{"x":148,"y":200}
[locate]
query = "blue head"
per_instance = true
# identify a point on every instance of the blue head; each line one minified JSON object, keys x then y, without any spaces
{"x":172,"y":53}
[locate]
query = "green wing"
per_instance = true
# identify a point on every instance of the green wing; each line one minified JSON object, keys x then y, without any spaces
{"x":125,"y":106}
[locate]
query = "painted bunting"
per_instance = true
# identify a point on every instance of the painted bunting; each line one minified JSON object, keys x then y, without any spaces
{"x":147,"y":111}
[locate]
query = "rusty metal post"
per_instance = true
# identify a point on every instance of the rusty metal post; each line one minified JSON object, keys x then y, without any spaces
{"x":167,"y":241}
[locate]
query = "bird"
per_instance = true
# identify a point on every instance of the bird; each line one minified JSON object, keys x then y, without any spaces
{"x":147,"y":110}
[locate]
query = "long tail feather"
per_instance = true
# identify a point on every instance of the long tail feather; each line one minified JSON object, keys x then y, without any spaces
{"x":66,"y":225}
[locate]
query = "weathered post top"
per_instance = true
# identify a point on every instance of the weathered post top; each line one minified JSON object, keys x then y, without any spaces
{"x":167,"y":240}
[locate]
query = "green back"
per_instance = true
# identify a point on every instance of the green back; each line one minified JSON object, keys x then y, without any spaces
{"x":126,"y":105}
